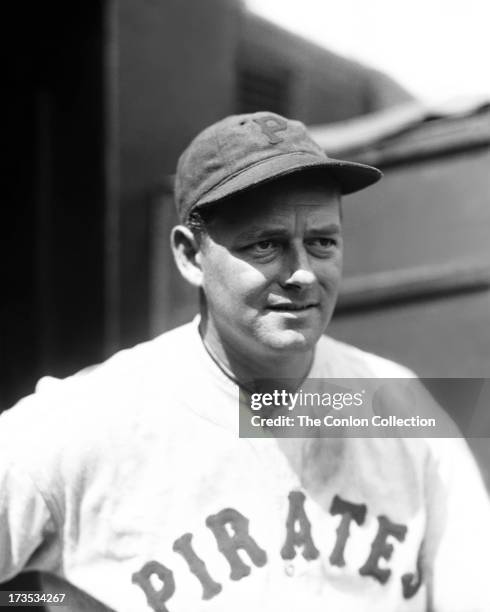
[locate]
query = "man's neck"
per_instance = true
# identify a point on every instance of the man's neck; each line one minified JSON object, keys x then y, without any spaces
{"x":258,"y":372}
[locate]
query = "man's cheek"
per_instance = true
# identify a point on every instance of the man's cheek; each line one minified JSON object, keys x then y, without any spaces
{"x":216,"y":276}
{"x":329,"y":285}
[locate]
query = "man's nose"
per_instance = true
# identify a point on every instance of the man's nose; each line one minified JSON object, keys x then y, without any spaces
{"x":298,"y":271}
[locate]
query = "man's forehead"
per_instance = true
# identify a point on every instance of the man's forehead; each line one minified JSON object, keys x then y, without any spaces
{"x":282,"y":213}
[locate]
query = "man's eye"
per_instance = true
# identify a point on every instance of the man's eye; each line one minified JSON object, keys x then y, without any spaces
{"x":264,"y":246}
{"x":322,"y":245}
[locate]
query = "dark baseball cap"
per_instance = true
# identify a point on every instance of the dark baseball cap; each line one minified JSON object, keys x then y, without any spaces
{"x":244,"y":151}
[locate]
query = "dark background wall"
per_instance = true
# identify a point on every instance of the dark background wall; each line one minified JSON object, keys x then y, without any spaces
{"x":53,"y":288}
{"x":176,"y":74}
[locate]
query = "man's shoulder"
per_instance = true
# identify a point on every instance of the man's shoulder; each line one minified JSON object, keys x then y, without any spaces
{"x":338,"y":359}
{"x":123,"y":379}
{"x":164,"y":352}
{"x":83,"y":413}
{"x":170,"y":347}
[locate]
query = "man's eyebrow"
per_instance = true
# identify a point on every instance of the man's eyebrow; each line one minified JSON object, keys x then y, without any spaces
{"x":259,"y":231}
{"x":332,"y":228}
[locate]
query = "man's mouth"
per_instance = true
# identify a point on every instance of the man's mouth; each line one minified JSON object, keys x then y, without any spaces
{"x":290,"y":307}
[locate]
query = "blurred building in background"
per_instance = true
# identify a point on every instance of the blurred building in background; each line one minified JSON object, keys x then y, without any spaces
{"x":103,"y":98}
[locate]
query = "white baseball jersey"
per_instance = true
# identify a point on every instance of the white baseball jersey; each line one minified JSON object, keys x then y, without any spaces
{"x":130,"y":482}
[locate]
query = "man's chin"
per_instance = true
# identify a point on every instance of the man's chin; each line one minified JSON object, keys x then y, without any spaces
{"x":290,"y":341}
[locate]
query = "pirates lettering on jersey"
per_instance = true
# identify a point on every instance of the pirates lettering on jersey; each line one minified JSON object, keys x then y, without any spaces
{"x":348,"y":511}
{"x":230,"y":528}
{"x":302,"y":537}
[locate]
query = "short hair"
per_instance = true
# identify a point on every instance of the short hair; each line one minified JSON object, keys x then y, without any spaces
{"x":199,"y":219}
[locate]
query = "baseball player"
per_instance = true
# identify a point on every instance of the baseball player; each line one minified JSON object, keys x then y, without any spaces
{"x":131,"y":482}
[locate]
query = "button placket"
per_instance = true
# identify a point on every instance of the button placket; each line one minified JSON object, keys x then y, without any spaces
{"x":289,"y":570}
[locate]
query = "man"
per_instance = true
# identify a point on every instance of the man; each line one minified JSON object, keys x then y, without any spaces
{"x":131,"y":481}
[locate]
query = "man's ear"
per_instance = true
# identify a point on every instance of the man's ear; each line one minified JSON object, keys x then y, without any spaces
{"x":187,"y":254}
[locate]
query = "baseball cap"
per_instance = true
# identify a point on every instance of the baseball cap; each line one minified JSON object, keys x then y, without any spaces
{"x":244,"y":151}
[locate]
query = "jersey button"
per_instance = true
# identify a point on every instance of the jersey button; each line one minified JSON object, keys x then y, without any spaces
{"x":289,"y":569}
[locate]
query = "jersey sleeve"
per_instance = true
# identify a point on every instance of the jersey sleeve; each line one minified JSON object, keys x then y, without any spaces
{"x":26,"y":523}
{"x":458,"y":530}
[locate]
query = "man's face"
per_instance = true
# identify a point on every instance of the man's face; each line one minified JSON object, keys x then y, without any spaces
{"x":271,"y":267}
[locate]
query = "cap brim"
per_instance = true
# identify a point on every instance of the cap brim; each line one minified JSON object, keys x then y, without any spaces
{"x":350,"y":176}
